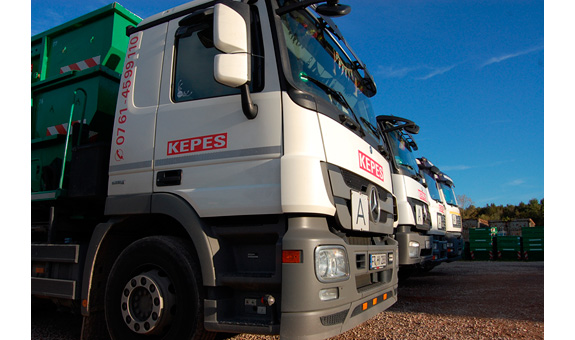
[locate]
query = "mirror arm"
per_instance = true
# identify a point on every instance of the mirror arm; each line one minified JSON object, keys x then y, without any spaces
{"x":248,"y":107}
{"x":394,"y":128}
{"x":292,"y":7}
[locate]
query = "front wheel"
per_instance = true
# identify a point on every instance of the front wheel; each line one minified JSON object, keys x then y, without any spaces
{"x":154,"y":291}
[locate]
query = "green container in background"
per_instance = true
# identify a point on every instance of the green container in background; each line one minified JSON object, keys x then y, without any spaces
{"x":481,"y":243}
{"x":482,"y":232}
{"x":533,"y":243}
{"x":509,"y":248}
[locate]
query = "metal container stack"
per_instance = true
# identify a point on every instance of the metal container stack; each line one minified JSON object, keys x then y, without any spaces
{"x":532,"y":243}
{"x":481,"y":243}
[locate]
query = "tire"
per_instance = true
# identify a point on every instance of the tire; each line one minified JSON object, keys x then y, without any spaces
{"x":155,"y":291}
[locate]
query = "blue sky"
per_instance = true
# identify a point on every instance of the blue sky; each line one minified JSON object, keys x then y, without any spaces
{"x":470,"y":73}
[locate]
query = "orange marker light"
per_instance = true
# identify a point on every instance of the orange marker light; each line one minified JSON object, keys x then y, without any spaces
{"x":364,"y":306}
{"x":374,"y":301}
{"x":384,"y":296}
{"x":291,"y":256}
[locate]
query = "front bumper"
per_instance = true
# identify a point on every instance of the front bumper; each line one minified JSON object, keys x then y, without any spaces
{"x":455,"y":245}
{"x":439,"y":249}
{"x":330,"y":322}
{"x":360,"y":297}
{"x":404,"y":238}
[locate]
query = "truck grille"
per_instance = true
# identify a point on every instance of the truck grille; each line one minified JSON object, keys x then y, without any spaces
{"x":457,"y":221}
{"x":343,"y":182}
{"x":359,"y":183}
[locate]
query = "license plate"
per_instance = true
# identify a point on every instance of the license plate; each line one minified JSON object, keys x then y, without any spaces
{"x":377,"y":261}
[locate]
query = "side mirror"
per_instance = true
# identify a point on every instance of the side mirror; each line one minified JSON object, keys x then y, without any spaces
{"x":413,"y":129}
{"x":435,"y":170}
{"x":333,"y":9}
{"x":231,"y":36}
{"x":399,"y":123}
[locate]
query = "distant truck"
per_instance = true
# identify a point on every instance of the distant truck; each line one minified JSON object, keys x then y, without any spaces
{"x":437,"y":210}
{"x":213,"y":168}
{"x":455,"y":242}
{"x":414,"y":219}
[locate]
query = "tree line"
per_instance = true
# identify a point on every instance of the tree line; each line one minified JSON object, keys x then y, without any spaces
{"x":534,"y":210}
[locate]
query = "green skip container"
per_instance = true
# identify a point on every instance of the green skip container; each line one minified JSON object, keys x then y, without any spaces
{"x":481,"y":243}
{"x":74,"y":85}
{"x":509,"y":248}
{"x":533,"y":243}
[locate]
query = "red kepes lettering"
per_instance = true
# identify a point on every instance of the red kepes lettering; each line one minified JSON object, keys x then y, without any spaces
{"x":369,"y":165}
{"x":197,"y":144}
{"x":422,"y":195}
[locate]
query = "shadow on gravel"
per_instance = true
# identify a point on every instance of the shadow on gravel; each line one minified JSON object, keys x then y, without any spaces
{"x":49,"y":323}
{"x":504,"y":290}
{"x":494,"y":290}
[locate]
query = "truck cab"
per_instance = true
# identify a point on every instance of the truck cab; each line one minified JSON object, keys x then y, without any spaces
{"x":454,"y":237}
{"x":237,"y":183}
{"x":437,"y":210}
{"x":414,"y":219}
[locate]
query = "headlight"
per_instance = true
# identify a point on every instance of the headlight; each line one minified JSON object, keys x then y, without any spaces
{"x":454,"y":220}
{"x":331,"y":264}
{"x":413,"y":249}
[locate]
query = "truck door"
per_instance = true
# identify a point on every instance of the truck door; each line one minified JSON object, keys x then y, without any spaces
{"x":206,"y":150}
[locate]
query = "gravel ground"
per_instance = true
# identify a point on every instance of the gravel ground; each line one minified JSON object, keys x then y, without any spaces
{"x":459,"y":300}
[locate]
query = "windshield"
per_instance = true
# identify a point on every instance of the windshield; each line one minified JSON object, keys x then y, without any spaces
{"x":319,"y":65}
{"x":403,"y":154}
{"x":448,"y":193}
{"x":432,"y":186}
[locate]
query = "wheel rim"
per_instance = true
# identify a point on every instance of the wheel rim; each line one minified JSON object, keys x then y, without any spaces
{"x":146,"y":302}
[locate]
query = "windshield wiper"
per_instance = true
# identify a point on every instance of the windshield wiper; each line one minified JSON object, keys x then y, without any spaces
{"x":370,"y":126}
{"x":341,"y":99}
{"x":367,"y":80}
{"x":407,"y":166}
{"x":416,"y":176}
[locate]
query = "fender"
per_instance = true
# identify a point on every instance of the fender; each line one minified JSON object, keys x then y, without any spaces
{"x":206,"y":246}
{"x":158,"y":203}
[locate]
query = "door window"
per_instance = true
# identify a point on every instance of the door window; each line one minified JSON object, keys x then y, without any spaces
{"x":195,"y":52}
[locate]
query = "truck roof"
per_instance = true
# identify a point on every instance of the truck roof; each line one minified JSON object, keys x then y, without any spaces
{"x":167,"y":14}
{"x":444,"y":178}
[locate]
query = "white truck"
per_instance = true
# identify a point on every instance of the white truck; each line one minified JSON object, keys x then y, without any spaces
{"x":437,"y":210}
{"x":414,"y":219}
{"x":455,"y":242}
{"x":215,"y":169}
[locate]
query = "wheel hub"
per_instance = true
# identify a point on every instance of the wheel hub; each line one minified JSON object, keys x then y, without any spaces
{"x":146,"y":302}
